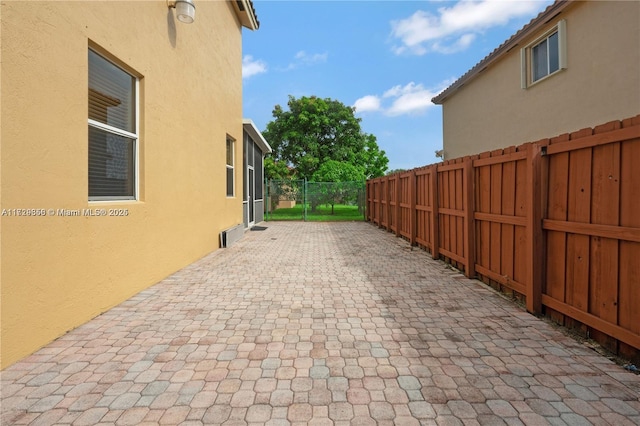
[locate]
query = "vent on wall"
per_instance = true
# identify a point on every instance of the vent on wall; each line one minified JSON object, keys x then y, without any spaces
{"x":231,"y":235}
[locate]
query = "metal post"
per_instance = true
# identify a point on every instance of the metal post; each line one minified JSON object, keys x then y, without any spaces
{"x":304,"y":199}
{"x":268,"y":203}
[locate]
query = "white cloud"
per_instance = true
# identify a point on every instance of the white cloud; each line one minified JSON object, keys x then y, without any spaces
{"x":367,"y":103}
{"x":306,"y":58}
{"x":454,"y":28}
{"x":303,"y":58}
{"x":459,"y":45}
{"x":410,"y":99}
{"x":251,"y":67}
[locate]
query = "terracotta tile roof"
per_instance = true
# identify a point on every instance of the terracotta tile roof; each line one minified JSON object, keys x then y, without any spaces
{"x":543,"y":17}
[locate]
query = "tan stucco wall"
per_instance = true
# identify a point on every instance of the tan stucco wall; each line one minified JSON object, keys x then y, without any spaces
{"x":59,"y":272}
{"x":601,"y":83}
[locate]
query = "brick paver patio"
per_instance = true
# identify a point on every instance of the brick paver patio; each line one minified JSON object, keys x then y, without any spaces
{"x":318,"y":324}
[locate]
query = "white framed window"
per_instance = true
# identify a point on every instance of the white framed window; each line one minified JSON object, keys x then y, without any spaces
{"x":545,"y":56}
{"x":229,"y":166}
{"x":113,"y":131}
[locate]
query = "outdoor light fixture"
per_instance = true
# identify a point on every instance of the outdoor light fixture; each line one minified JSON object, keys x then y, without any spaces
{"x":185,"y":10}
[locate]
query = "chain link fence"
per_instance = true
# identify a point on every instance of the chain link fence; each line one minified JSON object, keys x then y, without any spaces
{"x":317,"y":201}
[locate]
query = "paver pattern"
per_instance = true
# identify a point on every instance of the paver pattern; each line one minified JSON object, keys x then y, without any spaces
{"x":318,"y":324}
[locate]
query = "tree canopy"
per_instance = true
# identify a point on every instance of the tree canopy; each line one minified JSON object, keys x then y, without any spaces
{"x":338,"y":171}
{"x":314,"y":131}
{"x":394,"y":171}
{"x":337,"y":182}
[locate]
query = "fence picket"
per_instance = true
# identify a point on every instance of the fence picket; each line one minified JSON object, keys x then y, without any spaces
{"x":629,"y":252}
{"x":435,"y":224}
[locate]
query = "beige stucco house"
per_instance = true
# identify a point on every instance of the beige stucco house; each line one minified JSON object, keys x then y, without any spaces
{"x":576,"y":65}
{"x":121,"y":156}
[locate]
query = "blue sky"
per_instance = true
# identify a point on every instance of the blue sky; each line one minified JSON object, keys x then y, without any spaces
{"x":386,"y":58}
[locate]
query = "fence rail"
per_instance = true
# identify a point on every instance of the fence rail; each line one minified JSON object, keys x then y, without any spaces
{"x":555,"y":221}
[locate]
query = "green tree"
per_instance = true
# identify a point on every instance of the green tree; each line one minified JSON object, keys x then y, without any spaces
{"x":338,"y":171}
{"x":276,"y":169}
{"x":394,"y":171}
{"x":314,"y":130}
{"x":375,"y":161}
{"x":337,"y":182}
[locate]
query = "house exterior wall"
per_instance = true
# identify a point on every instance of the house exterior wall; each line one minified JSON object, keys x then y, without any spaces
{"x":57,"y":271}
{"x":601,"y":83}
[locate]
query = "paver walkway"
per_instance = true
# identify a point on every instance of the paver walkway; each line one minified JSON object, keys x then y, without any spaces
{"x":318,"y":324}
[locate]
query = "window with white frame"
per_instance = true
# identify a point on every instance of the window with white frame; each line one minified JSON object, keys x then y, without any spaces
{"x":545,"y":56}
{"x":230,"y":172}
{"x":113,"y":131}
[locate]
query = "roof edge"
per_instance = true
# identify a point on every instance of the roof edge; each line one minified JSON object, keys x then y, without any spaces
{"x":543,"y":17}
{"x":246,"y":13}
{"x":250,"y":127}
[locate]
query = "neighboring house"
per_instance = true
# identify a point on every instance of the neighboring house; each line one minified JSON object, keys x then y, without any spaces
{"x":117,"y":119}
{"x":254,"y":148}
{"x":576,"y":65}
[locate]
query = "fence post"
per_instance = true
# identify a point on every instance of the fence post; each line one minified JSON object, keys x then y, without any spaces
{"x":435,"y":219}
{"x":366,"y":201}
{"x":469,"y":207}
{"x":535,"y":242}
{"x":388,"y":197}
{"x":268,"y":203}
{"x":376,"y":201}
{"x":397,"y":212}
{"x":413,"y":214}
{"x":374,"y":205}
{"x":304,"y":200}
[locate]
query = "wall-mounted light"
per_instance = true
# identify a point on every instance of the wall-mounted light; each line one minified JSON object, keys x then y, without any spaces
{"x":185,"y":10}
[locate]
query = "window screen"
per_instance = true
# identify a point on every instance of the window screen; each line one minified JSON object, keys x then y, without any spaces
{"x":259,"y":172}
{"x":545,"y":57}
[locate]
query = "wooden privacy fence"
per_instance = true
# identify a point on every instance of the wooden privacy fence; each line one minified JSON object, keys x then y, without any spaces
{"x":557,"y":221}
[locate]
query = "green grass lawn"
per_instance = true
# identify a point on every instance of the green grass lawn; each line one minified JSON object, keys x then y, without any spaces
{"x":322,"y":213}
